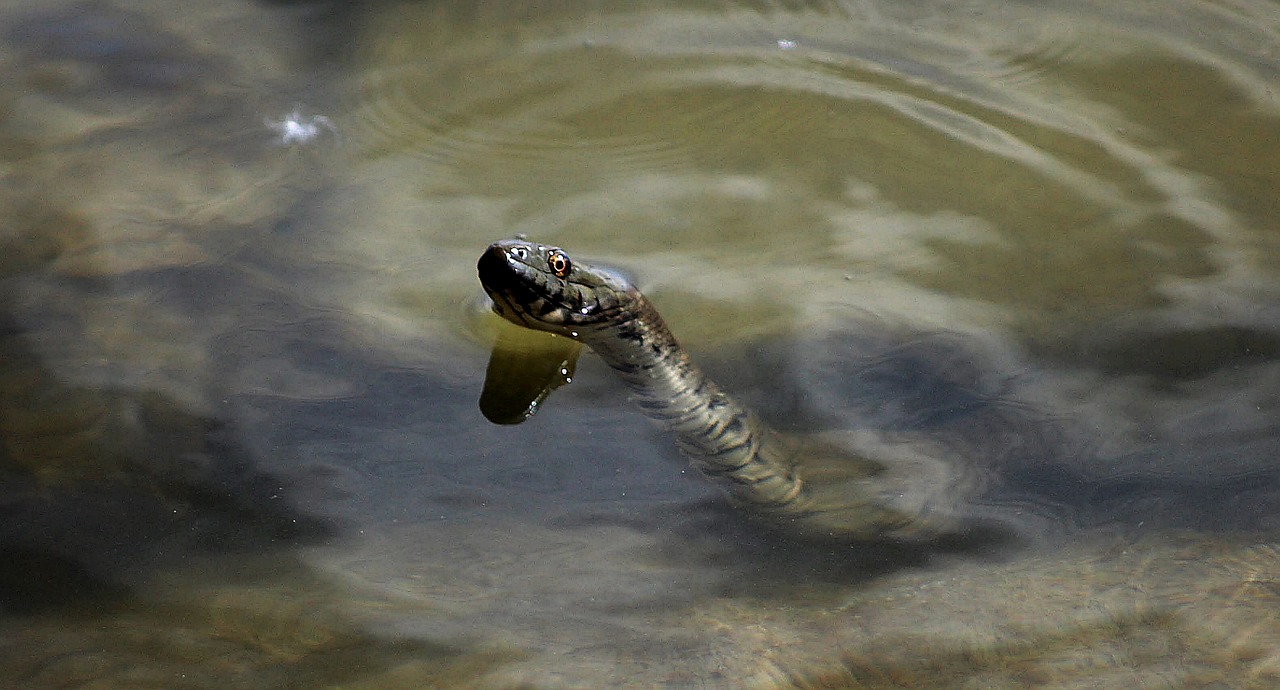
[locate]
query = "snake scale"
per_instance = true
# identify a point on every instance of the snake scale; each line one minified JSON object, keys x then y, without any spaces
{"x":540,"y":287}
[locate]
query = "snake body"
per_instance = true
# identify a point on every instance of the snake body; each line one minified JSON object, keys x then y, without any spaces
{"x":539,"y":287}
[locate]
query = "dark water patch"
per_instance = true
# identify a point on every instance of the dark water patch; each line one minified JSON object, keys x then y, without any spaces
{"x":768,"y":561}
{"x":924,"y":383}
{"x":1168,"y":355}
{"x":1135,"y":502}
{"x":1032,"y":467}
{"x":34,"y":581}
{"x":115,"y":482}
{"x":868,"y":374}
{"x":245,"y":635}
{"x":890,"y":377}
{"x":27,"y":246}
{"x":374,"y":436}
{"x":95,"y":49}
{"x":323,"y":28}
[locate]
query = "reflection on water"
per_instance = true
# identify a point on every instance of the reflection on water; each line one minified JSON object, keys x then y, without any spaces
{"x":239,"y":441}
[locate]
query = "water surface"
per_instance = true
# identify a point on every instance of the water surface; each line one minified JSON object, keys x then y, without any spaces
{"x":1033,"y":244}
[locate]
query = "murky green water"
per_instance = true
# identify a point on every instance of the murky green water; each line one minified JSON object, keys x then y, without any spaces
{"x":241,"y":342}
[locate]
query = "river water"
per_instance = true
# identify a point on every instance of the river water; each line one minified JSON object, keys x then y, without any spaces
{"x":242,"y":340}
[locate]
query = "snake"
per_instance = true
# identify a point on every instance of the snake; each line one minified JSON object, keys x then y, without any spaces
{"x":540,"y":287}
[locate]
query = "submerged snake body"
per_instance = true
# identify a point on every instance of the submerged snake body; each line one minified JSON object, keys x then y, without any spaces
{"x":539,"y":287}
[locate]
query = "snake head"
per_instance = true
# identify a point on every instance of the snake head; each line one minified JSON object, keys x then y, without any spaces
{"x":538,"y":286}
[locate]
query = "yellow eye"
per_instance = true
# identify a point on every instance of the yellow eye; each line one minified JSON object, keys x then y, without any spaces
{"x":559,"y":264}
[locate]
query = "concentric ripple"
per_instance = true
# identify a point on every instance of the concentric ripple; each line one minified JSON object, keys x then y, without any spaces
{"x":638,"y":93}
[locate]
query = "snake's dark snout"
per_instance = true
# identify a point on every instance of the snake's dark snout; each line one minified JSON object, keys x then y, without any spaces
{"x":504,"y":278}
{"x":493,"y":267}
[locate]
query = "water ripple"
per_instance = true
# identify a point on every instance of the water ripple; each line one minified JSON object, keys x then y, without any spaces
{"x":635,"y":94}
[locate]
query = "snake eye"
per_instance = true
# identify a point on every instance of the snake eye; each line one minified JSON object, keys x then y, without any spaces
{"x":559,"y":263}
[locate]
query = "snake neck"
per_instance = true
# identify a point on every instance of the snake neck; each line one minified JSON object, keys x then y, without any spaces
{"x":721,"y":437}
